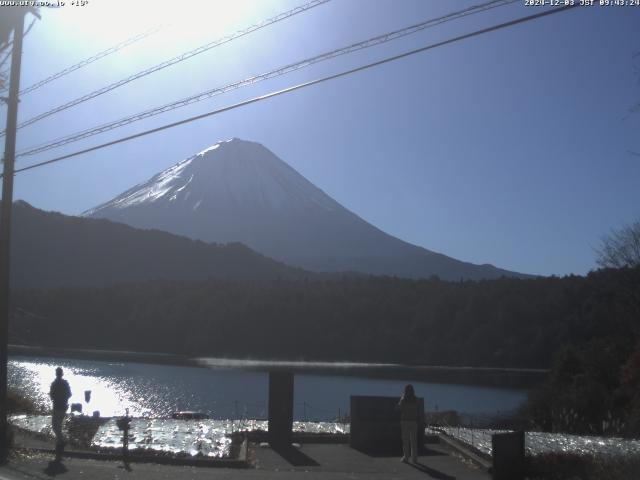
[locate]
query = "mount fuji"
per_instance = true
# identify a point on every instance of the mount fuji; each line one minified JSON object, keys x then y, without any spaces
{"x":239,"y":191}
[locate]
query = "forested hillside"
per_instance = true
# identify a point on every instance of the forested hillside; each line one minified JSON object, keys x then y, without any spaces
{"x":51,"y":250}
{"x":506,"y":322}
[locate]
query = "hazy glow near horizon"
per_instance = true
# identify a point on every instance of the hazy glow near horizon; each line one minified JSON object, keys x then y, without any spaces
{"x":112,"y":21}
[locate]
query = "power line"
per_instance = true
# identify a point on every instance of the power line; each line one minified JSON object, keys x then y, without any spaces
{"x":377,"y":40}
{"x":174,"y":60}
{"x":6,"y":45}
{"x":5,"y":73}
{"x":91,"y":59}
{"x":303,"y":85}
{"x":3,"y":61}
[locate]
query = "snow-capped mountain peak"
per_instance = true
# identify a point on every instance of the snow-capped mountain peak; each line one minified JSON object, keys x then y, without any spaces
{"x":243,"y":173}
{"x":237,"y":190}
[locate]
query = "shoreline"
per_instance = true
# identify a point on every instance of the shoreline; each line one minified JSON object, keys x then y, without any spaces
{"x":102,"y":355}
{"x":494,"y":377}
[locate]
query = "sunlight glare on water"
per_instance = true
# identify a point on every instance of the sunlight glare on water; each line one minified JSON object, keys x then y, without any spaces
{"x":537,"y":443}
{"x":107,"y":396}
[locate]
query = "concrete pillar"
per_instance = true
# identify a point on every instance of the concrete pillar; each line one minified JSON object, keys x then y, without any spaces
{"x":280,"y":407}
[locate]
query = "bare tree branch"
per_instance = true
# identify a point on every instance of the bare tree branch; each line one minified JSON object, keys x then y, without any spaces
{"x":620,"y":248}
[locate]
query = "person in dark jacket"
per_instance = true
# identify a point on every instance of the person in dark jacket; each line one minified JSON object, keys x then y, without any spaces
{"x":60,"y":392}
{"x":409,"y":418}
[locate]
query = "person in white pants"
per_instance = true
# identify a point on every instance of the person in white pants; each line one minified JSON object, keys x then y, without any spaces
{"x":409,"y":417}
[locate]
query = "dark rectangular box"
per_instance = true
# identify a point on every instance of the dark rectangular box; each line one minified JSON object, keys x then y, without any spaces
{"x":375,"y":424}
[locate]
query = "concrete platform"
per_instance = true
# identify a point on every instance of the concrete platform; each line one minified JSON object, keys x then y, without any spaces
{"x":310,"y":461}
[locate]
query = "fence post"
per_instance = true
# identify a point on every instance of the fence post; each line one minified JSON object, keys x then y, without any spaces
{"x":471,"y":423}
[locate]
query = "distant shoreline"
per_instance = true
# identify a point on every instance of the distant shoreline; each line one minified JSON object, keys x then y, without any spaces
{"x":516,"y":378}
{"x":106,"y":355}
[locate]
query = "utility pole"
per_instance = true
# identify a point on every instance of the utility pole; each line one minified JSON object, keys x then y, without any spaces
{"x":5,"y":226}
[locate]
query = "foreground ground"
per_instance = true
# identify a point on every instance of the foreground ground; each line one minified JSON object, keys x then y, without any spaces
{"x":310,"y":461}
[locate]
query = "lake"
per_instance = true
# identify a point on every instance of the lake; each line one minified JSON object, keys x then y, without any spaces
{"x":151,"y":390}
{"x":235,"y":397}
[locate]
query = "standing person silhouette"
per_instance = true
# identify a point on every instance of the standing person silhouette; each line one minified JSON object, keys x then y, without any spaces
{"x":409,"y":417}
{"x":60,"y":392}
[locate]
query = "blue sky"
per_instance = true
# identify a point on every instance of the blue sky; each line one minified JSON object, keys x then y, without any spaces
{"x":511,"y":148}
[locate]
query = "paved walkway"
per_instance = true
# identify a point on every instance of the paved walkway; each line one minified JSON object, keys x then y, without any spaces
{"x":311,"y":461}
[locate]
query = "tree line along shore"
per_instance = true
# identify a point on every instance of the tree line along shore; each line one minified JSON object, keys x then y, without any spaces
{"x":584,"y":329}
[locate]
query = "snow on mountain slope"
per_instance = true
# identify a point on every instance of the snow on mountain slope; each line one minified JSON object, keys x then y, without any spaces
{"x":240,"y":191}
{"x":243,"y":173}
